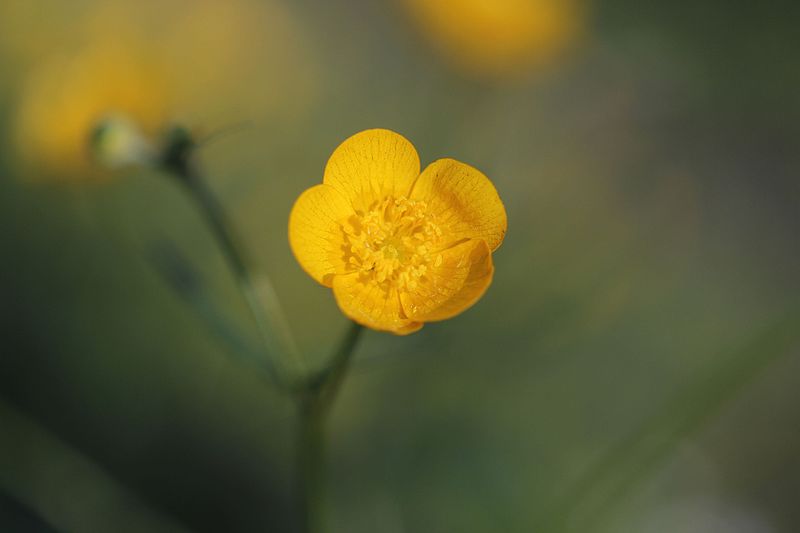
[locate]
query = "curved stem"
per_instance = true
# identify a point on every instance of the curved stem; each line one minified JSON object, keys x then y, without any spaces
{"x":271,"y":322}
{"x":314,"y":393}
{"x":328,"y":381}
{"x":314,"y":402}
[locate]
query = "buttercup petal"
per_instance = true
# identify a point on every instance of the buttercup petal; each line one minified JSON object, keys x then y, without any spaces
{"x":463,"y":201}
{"x":374,"y":305}
{"x":371,"y":165}
{"x":315,"y":232}
{"x":452,"y":285}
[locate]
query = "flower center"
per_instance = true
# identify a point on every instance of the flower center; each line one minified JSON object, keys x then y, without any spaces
{"x":395,"y":241}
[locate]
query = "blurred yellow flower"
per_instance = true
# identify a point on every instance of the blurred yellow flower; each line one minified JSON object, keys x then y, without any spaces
{"x":499,"y":37}
{"x":126,"y":70}
{"x":68,"y":98}
{"x":399,"y":248}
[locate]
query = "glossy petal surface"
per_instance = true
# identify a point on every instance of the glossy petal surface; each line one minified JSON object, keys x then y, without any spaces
{"x":371,"y":304}
{"x":372,"y":165}
{"x":453,"y":284}
{"x":463,"y":201}
{"x":315,"y":232}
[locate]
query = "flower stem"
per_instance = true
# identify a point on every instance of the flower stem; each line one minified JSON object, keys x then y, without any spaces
{"x":314,"y":393}
{"x":263,"y":304}
{"x":314,"y":402}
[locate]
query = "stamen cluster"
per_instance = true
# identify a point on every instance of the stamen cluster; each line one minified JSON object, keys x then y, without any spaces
{"x":395,"y":241}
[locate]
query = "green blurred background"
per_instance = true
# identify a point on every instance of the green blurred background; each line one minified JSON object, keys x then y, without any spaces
{"x":633,"y":368}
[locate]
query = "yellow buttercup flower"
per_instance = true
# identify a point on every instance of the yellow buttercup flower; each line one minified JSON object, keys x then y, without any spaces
{"x":499,"y":37}
{"x":398,"y":247}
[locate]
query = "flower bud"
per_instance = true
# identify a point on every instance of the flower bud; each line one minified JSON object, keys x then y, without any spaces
{"x":117,"y":142}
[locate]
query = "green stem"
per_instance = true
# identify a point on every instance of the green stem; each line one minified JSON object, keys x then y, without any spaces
{"x":314,"y":402}
{"x":316,"y":393}
{"x":329,"y":380}
{"x":272,"y":325}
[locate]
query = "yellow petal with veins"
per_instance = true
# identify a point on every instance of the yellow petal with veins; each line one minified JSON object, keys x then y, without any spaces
{"x":371,"y":165}
{"x":315,"y":232}
{"x":455,"y":281}
{"x":463,"y":201}
{"x":371,"y":304}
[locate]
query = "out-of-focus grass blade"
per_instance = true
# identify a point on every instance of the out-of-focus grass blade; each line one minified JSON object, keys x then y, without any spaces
{"x":66,"y":489}
{"x":15,"y":516}
{"x":594,"y":495}
{"x":187,"y":283}
{"x":278,"y":326}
